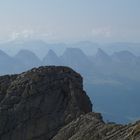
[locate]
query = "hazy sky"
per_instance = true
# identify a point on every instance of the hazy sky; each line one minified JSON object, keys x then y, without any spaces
{"x":71,"y":20}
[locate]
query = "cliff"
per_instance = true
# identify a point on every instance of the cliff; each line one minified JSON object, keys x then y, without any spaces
{"x":49,"y":103}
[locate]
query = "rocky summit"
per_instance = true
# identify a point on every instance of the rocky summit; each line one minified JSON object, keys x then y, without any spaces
{"x":49,"y":103}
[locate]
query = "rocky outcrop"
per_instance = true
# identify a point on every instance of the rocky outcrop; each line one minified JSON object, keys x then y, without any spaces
{"x":92,"y":127}
{"x":37,"y":103}
{"x":49,"y":103}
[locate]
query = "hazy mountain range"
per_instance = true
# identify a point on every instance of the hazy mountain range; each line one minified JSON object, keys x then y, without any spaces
{"x":40,"y":47}
{"x":111,"y":73}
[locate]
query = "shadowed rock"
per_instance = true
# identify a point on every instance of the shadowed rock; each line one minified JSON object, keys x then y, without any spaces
{"x":49,"y":103}
{"x":37,"y":103}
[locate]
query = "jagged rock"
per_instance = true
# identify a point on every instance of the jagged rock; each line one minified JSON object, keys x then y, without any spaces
{"x":49,"y":103}
{"x":92,"y":127}
{"x":37,"y":103}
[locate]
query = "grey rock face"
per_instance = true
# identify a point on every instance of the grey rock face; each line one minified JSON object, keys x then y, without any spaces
{"x":37,"y":103}
{"x":49,"y":103}
{"x":92,"y":127}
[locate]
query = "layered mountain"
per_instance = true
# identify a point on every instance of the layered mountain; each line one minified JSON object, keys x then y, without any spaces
{"x":41,"y":48}
{"x":13,"y":47}
{"x":102,"y":57}
{"x":114,"y":78}
{"x":76,"y":58}
{"x":51,"y":58}
{"x":8,"y":64}
{"x":49,"y":103}
{"x":28,"y":59}
{"x":124,"y":57}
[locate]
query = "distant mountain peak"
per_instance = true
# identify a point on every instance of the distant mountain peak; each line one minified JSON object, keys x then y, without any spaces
{"x":51,"y":58}
{"x":124,"y":56}
{"x":101,"y":53}
{"x":24,"y":51}
{"x":102,"y":57}
{"x":28,"y":59}
{"x":2,"y":53}
{"x":51,"y":53}
{"x":125,"y":53}
{"x":74,"y":51}
{"x":25,"y":54}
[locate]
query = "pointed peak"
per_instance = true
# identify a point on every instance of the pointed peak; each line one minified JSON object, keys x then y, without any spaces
{"x":124,"y":52}
{"x":2,"y":53}
{"x":101,"y":52}
{"x":75,"y":51}
{"x":25,"y":52}
{"x":51,"y":52}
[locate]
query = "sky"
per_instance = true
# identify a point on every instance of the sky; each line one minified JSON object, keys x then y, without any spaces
{"x":70,"y":20}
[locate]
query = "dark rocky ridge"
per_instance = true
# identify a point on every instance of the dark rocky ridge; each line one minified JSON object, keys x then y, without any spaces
{"x":50,"y":103}
{"x":37,"y":103}
{"x":92,"y":127}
